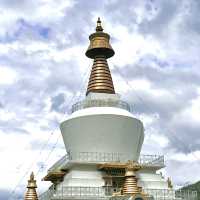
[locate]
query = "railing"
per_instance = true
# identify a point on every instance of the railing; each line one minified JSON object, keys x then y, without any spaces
{"x":96,"y":156}
{"x":101,"y":157}
{"x":47,"y":195}
{"x":152,"y":160}
{"x":60,"y":163}
{"x":170,"y":194}
{"x":186,"y":194}
{"x":69,"y":192}
{"x":115,"y":157}
{"x":100,"y":103}
{"x":103,"y":192}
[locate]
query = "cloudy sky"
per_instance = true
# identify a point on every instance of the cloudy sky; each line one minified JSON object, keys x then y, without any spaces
{"x":43,"y":71}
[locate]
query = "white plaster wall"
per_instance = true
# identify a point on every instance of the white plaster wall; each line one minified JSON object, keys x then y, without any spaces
{"x":83,"y":176}
{"x":151,"y":180}
{"x":90,"y":176}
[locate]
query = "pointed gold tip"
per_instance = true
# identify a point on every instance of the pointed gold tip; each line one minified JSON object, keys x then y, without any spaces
{"x":99,"y":27}
{"x":32,"y":176}
{"x":32,"y":181}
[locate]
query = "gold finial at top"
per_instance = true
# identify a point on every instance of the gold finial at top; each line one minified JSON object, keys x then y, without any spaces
{"x":31,"y":193}
{"x":99,"y":27}
{"x":32,"y":182}
{"x":32,"y":177}
{"x":99,"y":43}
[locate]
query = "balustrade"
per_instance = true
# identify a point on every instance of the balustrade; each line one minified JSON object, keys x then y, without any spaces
{"x":106,"y":192}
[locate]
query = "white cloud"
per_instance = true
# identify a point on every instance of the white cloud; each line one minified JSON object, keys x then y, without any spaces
{"x":7,"y":75}
{"x":129,"y":47}
{"x":7,"y":115}
{"x":189,"y":158}
{"x":193,"y":111}
{"x":45,"y":11}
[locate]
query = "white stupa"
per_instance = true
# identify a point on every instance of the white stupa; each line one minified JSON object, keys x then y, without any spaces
{"x":102,"y":138}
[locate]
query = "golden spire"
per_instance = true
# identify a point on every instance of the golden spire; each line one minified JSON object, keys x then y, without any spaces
{"x":169,"y":183}
{"x":31,"y":193}
{"x":99,"y":49}
{"x":99,"y":27}
{"x":130,"y":184}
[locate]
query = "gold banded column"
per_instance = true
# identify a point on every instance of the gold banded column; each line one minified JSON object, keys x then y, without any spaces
{"x":130,"y":184}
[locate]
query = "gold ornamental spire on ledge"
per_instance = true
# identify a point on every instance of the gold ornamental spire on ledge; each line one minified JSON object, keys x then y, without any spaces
{"x":100,"y":49}
{"x":130,"y":184}
{"x":31,"y":193}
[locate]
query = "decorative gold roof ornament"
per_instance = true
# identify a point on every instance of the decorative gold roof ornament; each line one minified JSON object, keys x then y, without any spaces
{"x":100,"y":49}
{"x":130,"y":184}
{"x":55,"y":176}
{"x":31,"y":193}
{"x":130,"y":189}
{"x":169,"y":183}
